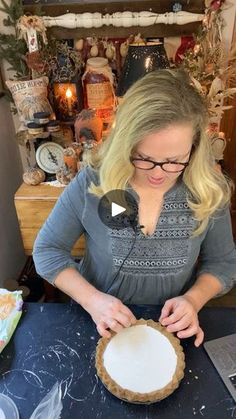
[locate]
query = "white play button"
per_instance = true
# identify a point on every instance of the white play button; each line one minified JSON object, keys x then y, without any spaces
{"x":116,"y":209}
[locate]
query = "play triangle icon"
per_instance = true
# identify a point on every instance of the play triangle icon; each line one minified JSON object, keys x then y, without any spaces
{"x":116,"y":209}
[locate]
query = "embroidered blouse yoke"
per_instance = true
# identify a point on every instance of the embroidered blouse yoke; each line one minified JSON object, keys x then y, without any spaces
{"x":159,"y":266}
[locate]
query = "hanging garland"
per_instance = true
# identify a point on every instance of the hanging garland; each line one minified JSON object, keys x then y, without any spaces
{"x":211,"y":66}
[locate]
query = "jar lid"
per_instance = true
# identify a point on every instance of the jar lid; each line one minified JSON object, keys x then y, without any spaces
{"x":41,"y":115}
{"x":97,"y":62}
{"x":34,"y":125}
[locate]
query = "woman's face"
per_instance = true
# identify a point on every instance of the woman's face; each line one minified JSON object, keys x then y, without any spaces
{"x":171,"y":144}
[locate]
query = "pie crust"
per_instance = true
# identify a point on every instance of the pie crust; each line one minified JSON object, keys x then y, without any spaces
{"x":173,"y":364}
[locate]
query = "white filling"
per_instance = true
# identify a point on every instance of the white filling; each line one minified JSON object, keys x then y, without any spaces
{"x":140,"y":359}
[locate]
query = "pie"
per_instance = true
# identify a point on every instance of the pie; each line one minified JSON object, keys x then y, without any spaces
{"x":141,"y":364}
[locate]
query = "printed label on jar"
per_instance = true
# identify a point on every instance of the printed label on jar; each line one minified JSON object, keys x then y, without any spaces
{"x":41,"y":120}
{"x":53,"y":129}
{"x":99,"y":95}
{"x":106,"y":114}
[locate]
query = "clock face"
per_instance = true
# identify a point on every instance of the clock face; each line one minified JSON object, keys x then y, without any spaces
{"x":49,"y":157}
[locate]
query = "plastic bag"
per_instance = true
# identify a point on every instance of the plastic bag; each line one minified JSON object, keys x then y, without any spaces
{"x":10,"y":313}
{"x":50,"y":406}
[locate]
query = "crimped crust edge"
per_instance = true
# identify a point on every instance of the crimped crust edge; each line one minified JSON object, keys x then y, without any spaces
{"x":136,"y":397}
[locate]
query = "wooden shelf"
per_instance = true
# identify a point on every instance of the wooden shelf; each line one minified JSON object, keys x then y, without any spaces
{"x":154,"y":31}
{"x":57,"y":8}
{"x":107,"y":6}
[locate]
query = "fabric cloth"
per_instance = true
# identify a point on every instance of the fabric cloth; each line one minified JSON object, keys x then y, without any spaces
{"x":160,"y":266}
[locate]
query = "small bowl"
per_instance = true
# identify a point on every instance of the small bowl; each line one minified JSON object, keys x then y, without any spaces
{"x":8,"y":408}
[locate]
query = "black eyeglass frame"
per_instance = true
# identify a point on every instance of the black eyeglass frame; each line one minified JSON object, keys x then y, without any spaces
{"x":161,"y":164}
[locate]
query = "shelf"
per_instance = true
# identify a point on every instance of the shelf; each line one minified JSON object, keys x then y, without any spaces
{"x":57,"y":8}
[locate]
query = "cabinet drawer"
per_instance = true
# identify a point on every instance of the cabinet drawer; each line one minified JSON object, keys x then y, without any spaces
{"x":29,"y":236}
{"x":32,"y":214}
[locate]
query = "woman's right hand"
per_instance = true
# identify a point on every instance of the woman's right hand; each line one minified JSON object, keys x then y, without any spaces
{"x":109,"y":312}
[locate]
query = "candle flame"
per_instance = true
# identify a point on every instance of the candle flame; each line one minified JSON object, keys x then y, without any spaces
{"x":68,"y":93}
{"x":147,"y":62}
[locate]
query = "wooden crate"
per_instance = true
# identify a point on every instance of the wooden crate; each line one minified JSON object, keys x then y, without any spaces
{"x":33,"y":205}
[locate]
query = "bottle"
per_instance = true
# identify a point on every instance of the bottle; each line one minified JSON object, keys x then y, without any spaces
{"x":98,"y":88}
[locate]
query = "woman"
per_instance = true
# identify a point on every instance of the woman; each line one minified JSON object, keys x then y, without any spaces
{"x":182,"y":253}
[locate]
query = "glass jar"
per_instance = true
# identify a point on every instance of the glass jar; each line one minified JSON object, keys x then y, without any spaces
{"x":98,"y":88}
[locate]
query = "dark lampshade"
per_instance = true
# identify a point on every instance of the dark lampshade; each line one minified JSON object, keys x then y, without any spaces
{"x":140,"y":60}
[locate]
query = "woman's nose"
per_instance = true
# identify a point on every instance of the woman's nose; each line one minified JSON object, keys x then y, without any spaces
{"x":157,"y":169}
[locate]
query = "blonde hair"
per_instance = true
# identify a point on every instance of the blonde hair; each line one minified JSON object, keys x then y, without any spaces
{"x":156,"y":101}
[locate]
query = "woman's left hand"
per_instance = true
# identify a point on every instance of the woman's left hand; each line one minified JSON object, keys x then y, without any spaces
{"x":179,"y":315}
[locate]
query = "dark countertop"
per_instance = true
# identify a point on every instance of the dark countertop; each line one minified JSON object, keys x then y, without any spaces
{"x":57,"y":342}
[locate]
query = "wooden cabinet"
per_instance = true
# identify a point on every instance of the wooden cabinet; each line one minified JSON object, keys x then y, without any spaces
{"x":33,"y":205}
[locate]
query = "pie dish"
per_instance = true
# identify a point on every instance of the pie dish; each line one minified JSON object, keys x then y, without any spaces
{"x":143,"y":363}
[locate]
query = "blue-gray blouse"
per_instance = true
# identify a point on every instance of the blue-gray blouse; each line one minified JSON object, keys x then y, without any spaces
{"x":160,"y":266}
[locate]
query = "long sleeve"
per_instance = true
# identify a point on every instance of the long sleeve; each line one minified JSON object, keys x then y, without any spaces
{"x":218,"y":254}
{"x":52,"y":248}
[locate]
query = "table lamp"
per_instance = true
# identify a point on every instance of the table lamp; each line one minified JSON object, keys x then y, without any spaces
{"x":140,"y":60}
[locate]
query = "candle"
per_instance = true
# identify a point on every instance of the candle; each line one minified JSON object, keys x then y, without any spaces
{"x":68,"y":98}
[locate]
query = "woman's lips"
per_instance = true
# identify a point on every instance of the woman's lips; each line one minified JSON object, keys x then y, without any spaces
{"x":156,"y":181}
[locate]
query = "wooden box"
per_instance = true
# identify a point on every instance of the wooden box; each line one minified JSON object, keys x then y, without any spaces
{"x":33,"y":205}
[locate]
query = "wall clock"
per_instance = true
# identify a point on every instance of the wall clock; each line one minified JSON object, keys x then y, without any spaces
{"x":49,"y":157}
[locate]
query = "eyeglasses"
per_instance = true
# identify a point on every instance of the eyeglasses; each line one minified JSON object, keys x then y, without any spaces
{"x":167,"y":166}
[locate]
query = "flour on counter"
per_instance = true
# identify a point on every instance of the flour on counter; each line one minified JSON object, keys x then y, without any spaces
{"x":200,"y":410}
